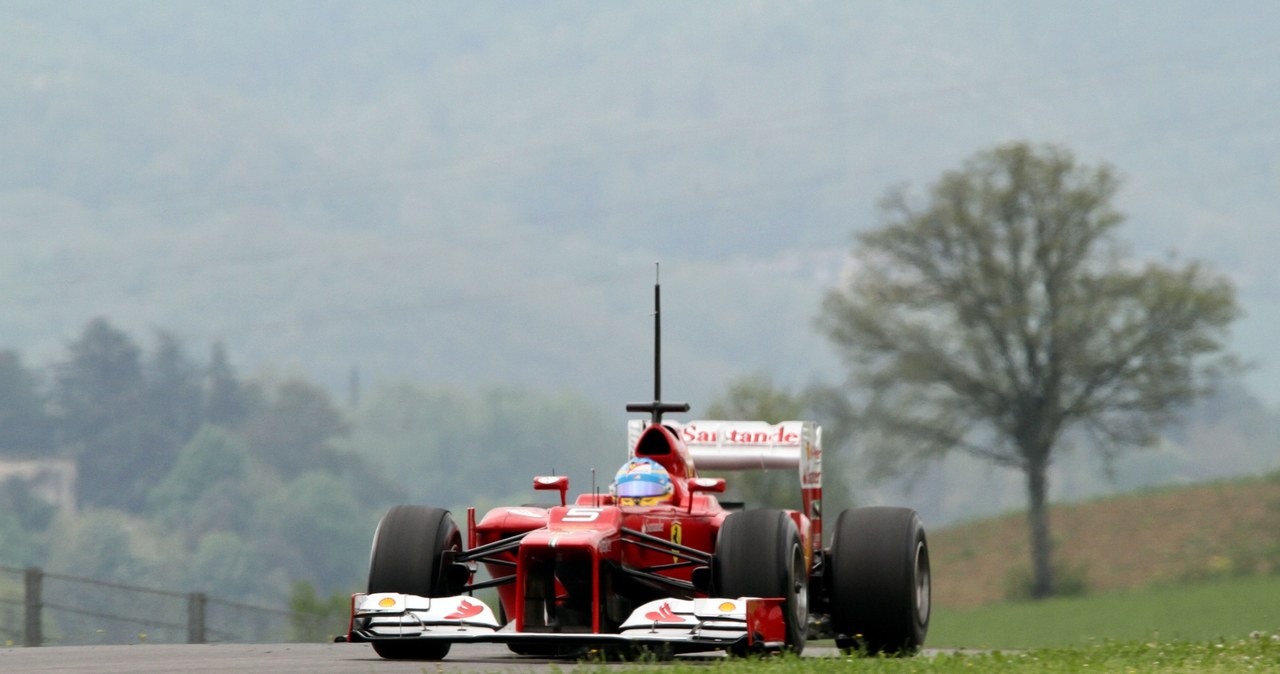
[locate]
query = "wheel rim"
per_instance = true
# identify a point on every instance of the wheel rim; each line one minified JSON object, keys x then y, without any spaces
{"x":922,"y":583}
{"x":799,"y":589}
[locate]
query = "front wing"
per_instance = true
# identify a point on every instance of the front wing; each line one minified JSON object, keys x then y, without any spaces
{"x":680,"y":625}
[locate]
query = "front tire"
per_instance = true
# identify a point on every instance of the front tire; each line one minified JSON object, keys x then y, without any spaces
{"x":759,"y":554}
{"x":880,"y":581}
{"x":411,"y":649}
{"x":411,"y":548}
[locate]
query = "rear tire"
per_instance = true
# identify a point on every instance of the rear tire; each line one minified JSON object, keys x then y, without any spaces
{"x":759,"y":554}
{"x":880,"y":581}
{"x":411,"y":548}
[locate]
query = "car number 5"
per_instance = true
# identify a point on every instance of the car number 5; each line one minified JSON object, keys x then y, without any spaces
{"x":581,"y":515}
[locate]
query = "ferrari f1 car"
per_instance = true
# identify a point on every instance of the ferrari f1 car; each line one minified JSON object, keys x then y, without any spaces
{"x":656,"y":564}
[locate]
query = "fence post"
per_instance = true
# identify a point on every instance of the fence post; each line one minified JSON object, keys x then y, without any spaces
{"x":33,"y":580}
{"x":196,"y":602}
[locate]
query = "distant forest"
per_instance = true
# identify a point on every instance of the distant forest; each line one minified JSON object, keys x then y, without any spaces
{"x":463,"y":204}
{"x":192,"y":476}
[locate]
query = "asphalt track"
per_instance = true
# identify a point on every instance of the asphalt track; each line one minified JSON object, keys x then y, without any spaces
{"x":197,"y":659}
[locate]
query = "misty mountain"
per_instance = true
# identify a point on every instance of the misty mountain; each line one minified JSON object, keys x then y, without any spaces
{"x":476,"y":195}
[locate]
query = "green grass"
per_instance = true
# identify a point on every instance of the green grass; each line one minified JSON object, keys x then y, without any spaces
{"x":1260,"y":653}
{"x":1229,"y":626}
{"x":1227,"y":608}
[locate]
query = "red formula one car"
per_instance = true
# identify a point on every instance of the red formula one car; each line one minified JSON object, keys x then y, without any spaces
{"x":657,"y":563}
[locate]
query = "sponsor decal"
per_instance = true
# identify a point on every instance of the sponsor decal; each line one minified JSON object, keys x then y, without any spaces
{"x":728,"y":435}
{"x":465,"y":610}
{"x":525,"y":513}
{"x":811,"y":465}
{"x":677,"y":534}
{"x":386,"y":602}
{"x":727,"y":607}
{"x":664,"y":614}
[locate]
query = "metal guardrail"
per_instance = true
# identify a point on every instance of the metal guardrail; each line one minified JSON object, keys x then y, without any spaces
{"x":39,"y":608}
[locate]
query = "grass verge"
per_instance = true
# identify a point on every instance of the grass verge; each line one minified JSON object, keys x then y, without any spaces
{"x":1226,"y":608}
{"x":1258,"y":653}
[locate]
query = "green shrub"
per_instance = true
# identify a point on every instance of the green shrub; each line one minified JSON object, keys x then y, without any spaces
{"x":317,"y":618}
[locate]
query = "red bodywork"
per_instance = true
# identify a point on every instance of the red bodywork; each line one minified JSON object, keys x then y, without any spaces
{"x":590,"y":573}
{"x":583,"y":567}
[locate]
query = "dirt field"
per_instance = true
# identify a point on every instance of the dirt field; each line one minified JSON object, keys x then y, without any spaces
{"x":1168,"y":535}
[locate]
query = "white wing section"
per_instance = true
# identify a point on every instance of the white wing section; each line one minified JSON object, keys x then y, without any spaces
{"x":747,"y":445}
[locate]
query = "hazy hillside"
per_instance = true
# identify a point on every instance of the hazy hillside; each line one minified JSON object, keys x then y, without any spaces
{"x":1164,"y":536}
{"x":475,"y":196}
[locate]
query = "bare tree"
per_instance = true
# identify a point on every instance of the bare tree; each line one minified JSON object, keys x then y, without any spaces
{"x":1002,"y":312}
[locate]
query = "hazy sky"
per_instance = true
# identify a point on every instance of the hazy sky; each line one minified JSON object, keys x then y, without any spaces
{"x":329,"y":186}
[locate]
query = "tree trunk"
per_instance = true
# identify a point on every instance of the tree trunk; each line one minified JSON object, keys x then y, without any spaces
{"x":1038,"y":524}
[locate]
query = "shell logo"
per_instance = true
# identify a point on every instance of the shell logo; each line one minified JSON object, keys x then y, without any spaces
{"x":386,"y":602}
{"x":727,"y":607}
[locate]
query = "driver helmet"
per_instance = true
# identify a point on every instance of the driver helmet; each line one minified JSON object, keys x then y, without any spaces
{"x":642,"y":482}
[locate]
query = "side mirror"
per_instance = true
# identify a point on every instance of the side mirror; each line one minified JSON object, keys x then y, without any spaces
{"x":714,"y":484}
{"x":560,"y":483}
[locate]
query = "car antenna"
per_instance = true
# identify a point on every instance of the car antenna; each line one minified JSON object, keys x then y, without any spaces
{"x":657,"y":407}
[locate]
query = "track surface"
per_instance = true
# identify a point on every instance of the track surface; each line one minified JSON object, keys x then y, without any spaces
{"x":274,"y":658}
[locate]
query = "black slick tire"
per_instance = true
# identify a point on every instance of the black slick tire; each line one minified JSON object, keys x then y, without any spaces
{"x":880,"y":581}
{"x":411,"y":547}
{"x":759,"y":554}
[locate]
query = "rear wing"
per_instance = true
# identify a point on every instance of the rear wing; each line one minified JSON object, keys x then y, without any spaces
{"x":747,"y":445}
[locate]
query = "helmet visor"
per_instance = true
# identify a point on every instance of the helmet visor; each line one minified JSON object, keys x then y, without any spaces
{"x":639,"y":487}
